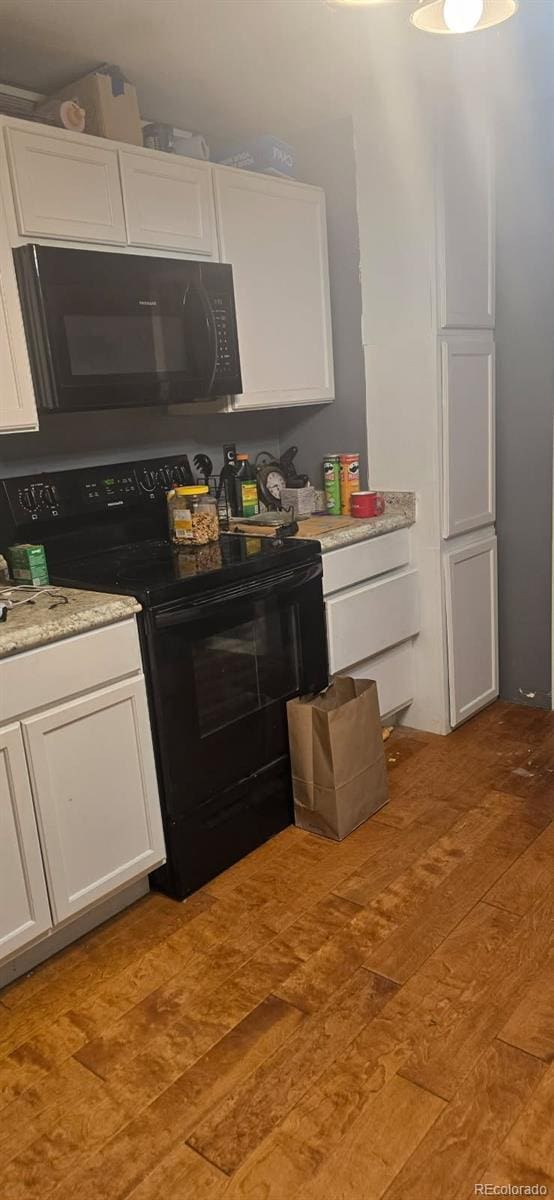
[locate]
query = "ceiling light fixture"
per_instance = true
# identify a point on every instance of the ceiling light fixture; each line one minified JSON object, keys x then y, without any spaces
{"x":461,"y":16}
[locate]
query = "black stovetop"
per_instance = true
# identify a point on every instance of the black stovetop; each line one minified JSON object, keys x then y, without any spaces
{"x":105,"y":527}
{"x":154,"y":571}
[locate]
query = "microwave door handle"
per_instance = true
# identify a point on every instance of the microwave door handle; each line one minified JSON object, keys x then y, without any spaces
{"x":202,"y":332}
{"x":212,"y":334}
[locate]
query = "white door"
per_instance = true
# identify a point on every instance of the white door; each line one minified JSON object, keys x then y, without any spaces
{"x":465,"y":227}
{"x":168,"y":202}
{"x":17,"y":397}
{"x":65,"y":187}
{"x":468,"y":396}
{"x":274,"y":234}
{"x":472,"y":627}
{"x":94,"y":783}
{"x":24,"y":908}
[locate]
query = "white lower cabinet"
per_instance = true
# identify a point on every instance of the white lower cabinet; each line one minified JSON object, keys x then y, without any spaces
{"x":79,"y":810}
{"x":24,"y":908}
{"x":96,"y":794}
{"x":372,"y":613}
{"x":472,"y":626}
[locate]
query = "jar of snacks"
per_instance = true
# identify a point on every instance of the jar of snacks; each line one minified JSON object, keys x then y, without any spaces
{"x":193,"y":519}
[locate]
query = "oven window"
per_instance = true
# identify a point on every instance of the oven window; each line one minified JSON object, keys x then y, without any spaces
{"x":245,"y":668}
{"x":121,"y":344}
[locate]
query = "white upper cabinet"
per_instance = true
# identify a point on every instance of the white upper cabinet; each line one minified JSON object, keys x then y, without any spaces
{"x":472,"y":627}
{"x":168,"y":202}
{"x":274,"y":234}
{"x":24,"y":908}
{"x":468,"y":432}
{"x":66,"y":187}
{"x":17,"y":397}
{"x":465,"y":229}
{"x":94,"y":782}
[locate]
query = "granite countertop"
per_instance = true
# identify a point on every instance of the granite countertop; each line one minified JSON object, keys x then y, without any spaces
{"x":400,"y":512}
{"x":56,"y":613}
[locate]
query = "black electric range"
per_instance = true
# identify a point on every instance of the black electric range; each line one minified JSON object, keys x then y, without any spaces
{"x":229,"y":632}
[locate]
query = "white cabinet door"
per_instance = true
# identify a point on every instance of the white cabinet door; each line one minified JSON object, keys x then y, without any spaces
{"x":17,"y":397}
{"x":465,"y":219}
{"x":24,"y":908}
{"x":94,"y":783}
{"x":168,"y":202}
{"x":472,"y":627}
{"x":468,"y":394}
{"x":65,"y":187}
{"x":274,"y":234}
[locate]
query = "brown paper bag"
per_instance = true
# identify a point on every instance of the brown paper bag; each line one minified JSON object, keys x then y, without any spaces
{"x":339,"y":772}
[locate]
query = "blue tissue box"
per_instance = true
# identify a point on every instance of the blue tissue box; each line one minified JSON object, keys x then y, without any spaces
{"x":265,"y":153}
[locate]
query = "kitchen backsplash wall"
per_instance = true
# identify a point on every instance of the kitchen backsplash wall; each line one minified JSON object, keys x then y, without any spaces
{"x":72,"y":440}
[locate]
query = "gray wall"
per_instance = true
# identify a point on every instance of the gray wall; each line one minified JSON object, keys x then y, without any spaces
{"x":78,"y":439}
{"x":525,"y":391}
{"x":326,"y":157}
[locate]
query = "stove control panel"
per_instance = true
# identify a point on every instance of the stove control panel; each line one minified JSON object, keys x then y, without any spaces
{"x":49,"y":498}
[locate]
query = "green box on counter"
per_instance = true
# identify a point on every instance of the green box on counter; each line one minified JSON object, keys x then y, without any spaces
{"x":28,"y":565}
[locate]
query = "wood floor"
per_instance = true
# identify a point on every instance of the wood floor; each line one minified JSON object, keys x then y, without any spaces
{"x":323,"y":1022}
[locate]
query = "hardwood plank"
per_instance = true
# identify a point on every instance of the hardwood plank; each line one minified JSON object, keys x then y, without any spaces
{"x":408,"y":947}
{"x":472,"y":977}
{"x":530,"y":877}
{"x":454,"y":1154}
{"x":531,"y":1025}
{"x":237,"y":1126}
{"x":378,"y":1144}
{"x":145,"y":1141}
{"x":183,"y":1175}
{"x":527,"y":1154}
{"x":160,"y":1010}
{"x":358,"y":944}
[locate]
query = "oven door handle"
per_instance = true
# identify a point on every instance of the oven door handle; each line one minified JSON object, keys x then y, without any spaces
{"x":287,"y":583}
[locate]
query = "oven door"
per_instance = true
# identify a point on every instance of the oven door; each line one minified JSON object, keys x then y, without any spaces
{"x":112,"y":330}
{"x":221,"y":672}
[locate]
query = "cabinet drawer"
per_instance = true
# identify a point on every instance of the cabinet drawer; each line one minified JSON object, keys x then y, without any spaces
{"x":354,"y":564}
{"x":65,"y":188}
{"x":393,"y":673}
{"x":49,"y":674}
{"x":368,"y":619}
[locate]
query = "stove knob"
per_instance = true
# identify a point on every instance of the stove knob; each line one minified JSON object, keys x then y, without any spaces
{"x":49,"y":497}
{"x":28,"y":498}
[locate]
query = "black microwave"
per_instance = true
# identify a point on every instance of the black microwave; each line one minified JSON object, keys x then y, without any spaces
{"x":107,"y":330}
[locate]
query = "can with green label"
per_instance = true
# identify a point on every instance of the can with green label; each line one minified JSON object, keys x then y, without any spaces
{"x":331,"y":478}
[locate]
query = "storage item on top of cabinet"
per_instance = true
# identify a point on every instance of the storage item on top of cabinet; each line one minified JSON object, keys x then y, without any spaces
{"x":24,"y":908}
{"x":274,"y":234}
{"x":168,"y":202}
{"x":65,"y":186}
{"x":17,"y":400}
{"x":468,"y":394}
{"x":471,"y":626}
{"x":465,"y":228}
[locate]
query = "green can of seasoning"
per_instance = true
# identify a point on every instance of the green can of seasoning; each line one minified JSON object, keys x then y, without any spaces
{"x":331,"y":479}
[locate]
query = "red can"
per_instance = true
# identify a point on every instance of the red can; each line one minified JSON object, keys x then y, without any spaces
{"x":367,"y":504}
